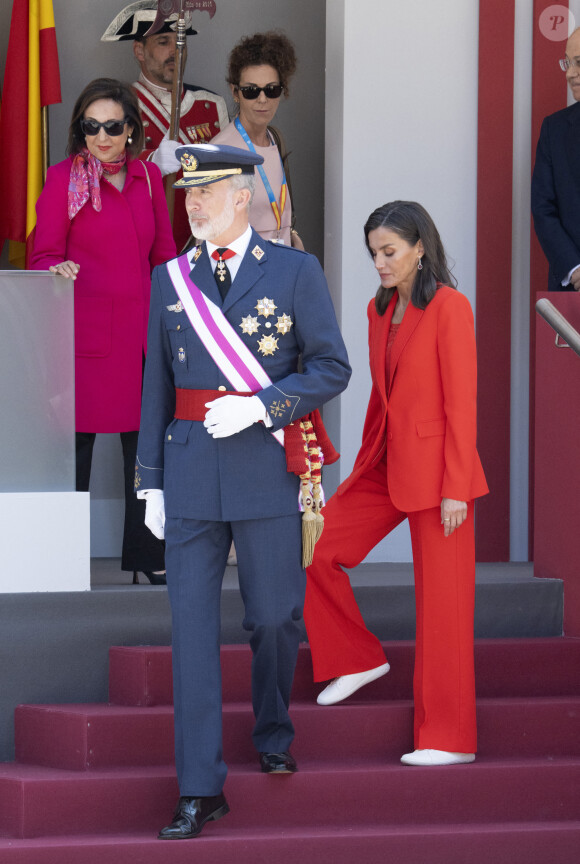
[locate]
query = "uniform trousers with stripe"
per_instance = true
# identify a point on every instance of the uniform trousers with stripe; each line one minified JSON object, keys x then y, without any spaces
{"x":444,"y":682}
{"x":272,"y":585}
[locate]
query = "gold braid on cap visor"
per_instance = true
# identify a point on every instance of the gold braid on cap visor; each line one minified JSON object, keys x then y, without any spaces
{"x":202,"y":175}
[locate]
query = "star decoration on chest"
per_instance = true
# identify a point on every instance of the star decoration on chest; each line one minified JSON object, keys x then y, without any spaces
{"x":249,"y":325}
{"x":265,"y":307}
{"x":267,"y":345}
{"x":284,"y":324}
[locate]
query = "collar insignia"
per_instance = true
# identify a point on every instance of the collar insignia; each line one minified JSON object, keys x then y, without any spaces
{"x":258,"y":253}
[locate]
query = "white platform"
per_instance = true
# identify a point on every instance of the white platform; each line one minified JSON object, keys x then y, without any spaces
{"x":45,"y":541}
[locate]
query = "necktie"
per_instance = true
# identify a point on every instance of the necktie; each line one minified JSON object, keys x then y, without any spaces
{"x":222,"y":275}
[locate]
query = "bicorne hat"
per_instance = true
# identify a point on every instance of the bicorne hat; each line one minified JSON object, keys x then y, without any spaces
{"x":134,"y":21}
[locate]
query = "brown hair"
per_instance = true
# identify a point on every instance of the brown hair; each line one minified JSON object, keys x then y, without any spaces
{"x":106,"y":88}
{"x":263,"y":49}
{"x":412,"y":223}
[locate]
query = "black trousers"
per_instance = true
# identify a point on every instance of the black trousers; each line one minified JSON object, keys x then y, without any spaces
{"x":141,"y":549}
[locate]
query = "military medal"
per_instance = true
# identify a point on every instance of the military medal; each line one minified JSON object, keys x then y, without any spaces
{"x":199,"y":134}
{"x":265,"y":307}
{"x":284,"y":324}
{"x":267,"y":345}
{"x":221,"y":270}
{"x":249,"y":325}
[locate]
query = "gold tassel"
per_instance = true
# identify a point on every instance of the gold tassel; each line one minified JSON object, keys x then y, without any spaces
{"x":318,"y":511}
{"x":312,"y":518}
{"x":308,"y":524}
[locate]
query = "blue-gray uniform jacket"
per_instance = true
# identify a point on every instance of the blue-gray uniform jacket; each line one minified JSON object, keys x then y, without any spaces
{"x":243,"y":476}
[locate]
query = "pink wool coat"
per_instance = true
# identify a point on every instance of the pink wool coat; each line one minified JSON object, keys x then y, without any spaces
{"x":116,"y":249}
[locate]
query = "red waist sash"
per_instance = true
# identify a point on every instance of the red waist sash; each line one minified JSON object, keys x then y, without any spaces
{"x":191,"y":405}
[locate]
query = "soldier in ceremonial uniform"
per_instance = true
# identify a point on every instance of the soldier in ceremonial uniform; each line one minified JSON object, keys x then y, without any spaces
{"x":203,"y":113}
{"x":223,"y":396}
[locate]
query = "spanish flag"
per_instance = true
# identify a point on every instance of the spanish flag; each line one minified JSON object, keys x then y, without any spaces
{"x":31,"y":81}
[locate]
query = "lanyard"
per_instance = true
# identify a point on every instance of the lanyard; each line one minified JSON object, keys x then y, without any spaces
{"x":278,"y":210}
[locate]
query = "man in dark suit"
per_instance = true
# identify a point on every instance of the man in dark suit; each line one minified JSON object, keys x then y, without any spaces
{"x":235,"y":315}
{"x":556,"y":183}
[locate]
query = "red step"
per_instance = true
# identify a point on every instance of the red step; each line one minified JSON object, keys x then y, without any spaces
{"x":520,"y":843}
{"x":113,"y":785}
{"x":51,"y":802}
{"x":84,"y":737}
{"x":504,"y":667}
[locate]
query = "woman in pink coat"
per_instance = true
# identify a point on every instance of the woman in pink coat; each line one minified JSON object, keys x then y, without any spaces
{"x":102,"y":220}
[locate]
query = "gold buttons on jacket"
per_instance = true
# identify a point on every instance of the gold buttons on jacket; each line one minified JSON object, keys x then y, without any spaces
{"x":221,"y":387}
{"x":169,"y":437}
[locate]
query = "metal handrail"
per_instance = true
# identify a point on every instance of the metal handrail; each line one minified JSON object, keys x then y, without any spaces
{"x":560,"y":324}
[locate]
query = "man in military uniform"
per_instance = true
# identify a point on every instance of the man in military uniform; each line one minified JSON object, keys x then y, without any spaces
{"x":203,"y":113}
{"x":233,"y":316}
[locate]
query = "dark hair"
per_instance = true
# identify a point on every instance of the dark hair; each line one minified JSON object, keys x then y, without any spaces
{"x":263,"y":49}
{"x":412,"y":223}
{"x":106,"y":88}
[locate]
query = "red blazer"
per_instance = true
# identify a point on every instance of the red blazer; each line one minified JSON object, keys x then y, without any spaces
{"x":117,"y":249}
{"x":425,"y":415}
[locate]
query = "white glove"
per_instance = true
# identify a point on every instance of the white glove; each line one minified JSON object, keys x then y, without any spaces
{"x":230,"y":414}
{"x":164,"y":157}
{"x":155,"y":512}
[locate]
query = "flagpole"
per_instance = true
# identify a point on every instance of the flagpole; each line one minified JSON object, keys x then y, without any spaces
{"x":45,"y":142}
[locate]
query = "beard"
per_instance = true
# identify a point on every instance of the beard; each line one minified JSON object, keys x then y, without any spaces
{"x":209,"y":229}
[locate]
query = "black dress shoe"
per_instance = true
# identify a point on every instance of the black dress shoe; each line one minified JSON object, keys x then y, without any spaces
{"x":191,"y":814}
{"x":278,"y":763}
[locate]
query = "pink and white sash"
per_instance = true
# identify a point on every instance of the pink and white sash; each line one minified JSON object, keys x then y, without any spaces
{"x":226,"y":348}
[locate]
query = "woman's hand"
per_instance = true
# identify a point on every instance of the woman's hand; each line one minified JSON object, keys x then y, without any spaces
{"x":68,"y":269}
{"x":453,"y":513}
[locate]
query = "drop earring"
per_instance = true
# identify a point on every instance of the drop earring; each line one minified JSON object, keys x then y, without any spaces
{"x":419,"y":264}
{"x":129,"y":139}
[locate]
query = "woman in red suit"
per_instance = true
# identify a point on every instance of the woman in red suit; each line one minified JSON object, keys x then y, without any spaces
{"x":103,"y":221}
{"x":418,"y":460}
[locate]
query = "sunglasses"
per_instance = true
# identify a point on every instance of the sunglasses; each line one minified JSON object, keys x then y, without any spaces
{"x":252,"y":91}
{"x":111,"y":127}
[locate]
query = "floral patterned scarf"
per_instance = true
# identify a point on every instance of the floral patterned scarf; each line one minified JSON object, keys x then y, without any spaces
{"x":84,"y":183}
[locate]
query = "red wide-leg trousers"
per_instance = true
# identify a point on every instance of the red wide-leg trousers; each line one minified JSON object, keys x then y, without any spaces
{"x":444,"y":683}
